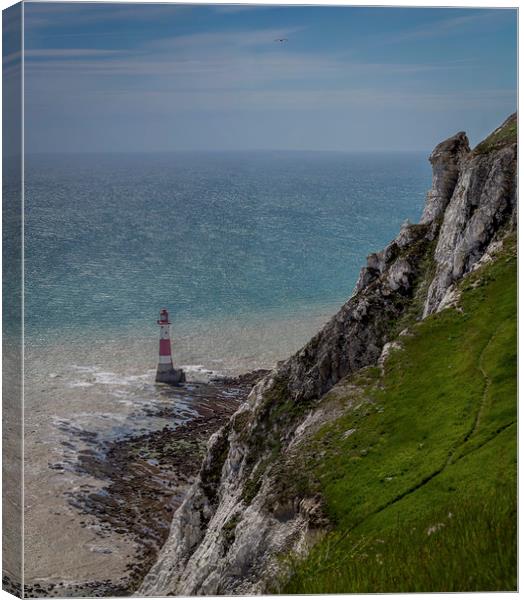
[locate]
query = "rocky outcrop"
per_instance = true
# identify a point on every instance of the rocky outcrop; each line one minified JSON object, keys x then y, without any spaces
{"x":445,"y":161}
{"x":228,"y":532}
{"x":354,"y":337}
{"x":483,"y":202}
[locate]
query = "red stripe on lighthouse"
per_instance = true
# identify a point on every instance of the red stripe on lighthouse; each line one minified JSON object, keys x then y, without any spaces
{"x":165,"y":347}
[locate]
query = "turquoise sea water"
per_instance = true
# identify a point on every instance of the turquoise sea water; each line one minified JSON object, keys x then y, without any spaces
{"x":250,"y":252}
{"x":110,"y":239}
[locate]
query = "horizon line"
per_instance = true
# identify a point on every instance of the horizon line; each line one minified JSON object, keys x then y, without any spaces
{"x":224,"y":151}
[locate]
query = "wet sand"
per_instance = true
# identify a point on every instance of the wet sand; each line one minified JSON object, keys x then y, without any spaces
{"x":131,"y":487}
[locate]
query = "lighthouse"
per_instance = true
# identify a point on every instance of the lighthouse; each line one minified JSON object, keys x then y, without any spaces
{"x":165,"y":372}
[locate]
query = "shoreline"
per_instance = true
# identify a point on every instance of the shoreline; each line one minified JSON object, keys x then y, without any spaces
{"x":145,"y":478}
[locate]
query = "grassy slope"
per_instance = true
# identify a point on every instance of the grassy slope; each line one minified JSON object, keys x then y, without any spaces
{"x":434,"y":446}
{"x":505,"y":134}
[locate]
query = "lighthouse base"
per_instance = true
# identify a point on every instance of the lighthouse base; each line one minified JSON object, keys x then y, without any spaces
{"x":171,"y":376}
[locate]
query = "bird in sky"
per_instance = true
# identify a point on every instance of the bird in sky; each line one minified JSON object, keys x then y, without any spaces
{"x":281,"y":40}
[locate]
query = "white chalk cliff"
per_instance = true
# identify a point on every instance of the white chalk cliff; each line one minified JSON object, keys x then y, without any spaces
{"x":227,"y":534}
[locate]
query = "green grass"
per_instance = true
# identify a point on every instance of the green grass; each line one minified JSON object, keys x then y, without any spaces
{"x":436,"y":434}
{"x":458,"y":548}
{"x":507,"y":134}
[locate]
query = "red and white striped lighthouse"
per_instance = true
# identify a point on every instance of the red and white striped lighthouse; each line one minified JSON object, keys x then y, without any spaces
{"x":165,"y":372}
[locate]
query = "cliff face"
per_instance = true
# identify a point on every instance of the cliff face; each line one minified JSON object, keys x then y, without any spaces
{"x":483,"y":199}
{"x":234,"y":522}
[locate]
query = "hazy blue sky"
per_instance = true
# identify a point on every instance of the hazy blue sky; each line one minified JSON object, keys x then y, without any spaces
{"x":120,"y":77}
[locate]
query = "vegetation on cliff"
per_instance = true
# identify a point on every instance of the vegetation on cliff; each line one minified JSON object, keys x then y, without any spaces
{"x":504,"y":135}
{"x":381,"y":457}
{"x":418,"y":476}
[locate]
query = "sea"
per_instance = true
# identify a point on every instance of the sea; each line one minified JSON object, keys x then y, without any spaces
{"x":250,"y":253}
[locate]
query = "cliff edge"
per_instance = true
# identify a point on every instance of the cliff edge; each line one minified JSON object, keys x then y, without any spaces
{"x":257,"y":497}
